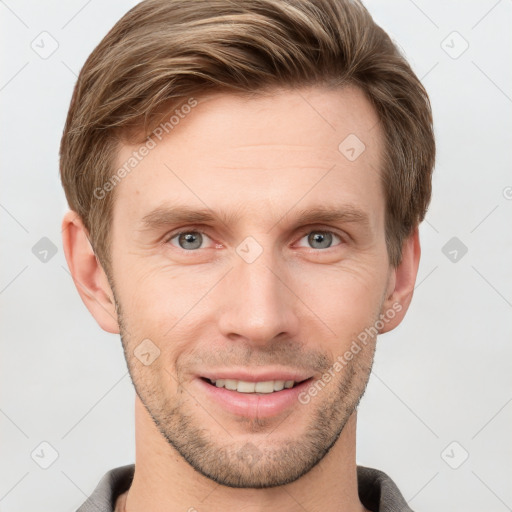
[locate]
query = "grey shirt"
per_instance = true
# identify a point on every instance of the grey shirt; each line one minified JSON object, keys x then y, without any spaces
{"x":377,"y":491}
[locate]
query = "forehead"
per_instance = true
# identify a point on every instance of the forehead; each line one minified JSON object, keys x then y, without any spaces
{"x":259,"y":154}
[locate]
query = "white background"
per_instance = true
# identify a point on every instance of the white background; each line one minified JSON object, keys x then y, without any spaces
{"x":444,"y":375}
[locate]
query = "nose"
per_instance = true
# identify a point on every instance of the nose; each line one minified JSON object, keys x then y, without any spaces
{"x":256,"y":301}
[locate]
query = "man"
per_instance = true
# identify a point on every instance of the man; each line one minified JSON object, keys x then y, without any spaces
{"x":246,"y":181}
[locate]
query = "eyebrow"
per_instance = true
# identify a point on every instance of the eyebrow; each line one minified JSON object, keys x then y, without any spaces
{"x":168,"y":215}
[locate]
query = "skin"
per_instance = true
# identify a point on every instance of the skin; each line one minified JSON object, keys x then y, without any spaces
{"x":299,"y":305}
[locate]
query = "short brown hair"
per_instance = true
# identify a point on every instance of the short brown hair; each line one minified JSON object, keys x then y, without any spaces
{"x":162,"y":52}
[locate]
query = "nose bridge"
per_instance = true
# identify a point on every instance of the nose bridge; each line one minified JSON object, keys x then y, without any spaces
{"x":257,"y":304}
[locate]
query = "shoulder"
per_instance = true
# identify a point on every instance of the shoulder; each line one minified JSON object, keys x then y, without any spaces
{"x":378,"y":492}
{"x":110,"y":487}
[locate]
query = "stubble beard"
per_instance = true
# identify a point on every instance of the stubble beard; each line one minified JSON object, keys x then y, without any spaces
{"x":246,"y":464}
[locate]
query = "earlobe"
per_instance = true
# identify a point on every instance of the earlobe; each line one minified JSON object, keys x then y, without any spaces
{"x":401,"y":283}
{"x":87,"y":273}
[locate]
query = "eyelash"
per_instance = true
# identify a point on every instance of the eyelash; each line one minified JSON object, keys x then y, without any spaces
{"x":303,"y":233}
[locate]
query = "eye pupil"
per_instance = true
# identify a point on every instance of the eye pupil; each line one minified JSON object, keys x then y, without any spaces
{"x":190,"y":240}
{"x":323,"y":238}
{"x":194,"y":238}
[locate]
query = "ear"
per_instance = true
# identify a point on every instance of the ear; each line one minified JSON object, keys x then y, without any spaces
{"x":87,"y":273}
{"x":401,"y":283}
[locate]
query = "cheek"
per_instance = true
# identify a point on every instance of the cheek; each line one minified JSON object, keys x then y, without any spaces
{"x":166,"y":304}
{"x":347,"y":298}
{"x":150,"y":292}
{"x":164,"y":301}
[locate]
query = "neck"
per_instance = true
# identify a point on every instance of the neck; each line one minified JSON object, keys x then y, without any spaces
{"x":165,"y":482}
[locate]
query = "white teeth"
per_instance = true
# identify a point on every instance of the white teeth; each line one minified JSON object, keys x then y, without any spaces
{"x":230,"y":384}
{"x":242,"y":386}
{"x":278,"y":385}
{"x":246,"y":387}
{"x":264,"y":387}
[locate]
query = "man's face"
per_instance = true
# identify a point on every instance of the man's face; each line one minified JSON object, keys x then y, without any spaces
{"x":254,"y":294}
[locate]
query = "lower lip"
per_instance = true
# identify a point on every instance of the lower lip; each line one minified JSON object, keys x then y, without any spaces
{"x":253,"y":405}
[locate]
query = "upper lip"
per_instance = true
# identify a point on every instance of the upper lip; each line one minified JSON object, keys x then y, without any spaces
{"x":249,"y":375}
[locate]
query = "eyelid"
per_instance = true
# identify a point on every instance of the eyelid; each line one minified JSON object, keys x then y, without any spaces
{"x":185,"y":229}
{"x":323,"y":229}
{"x":327,"y":229}
{"x":305,"y":230}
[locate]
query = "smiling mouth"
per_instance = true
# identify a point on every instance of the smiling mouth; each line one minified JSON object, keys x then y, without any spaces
{"x":261,"y":387}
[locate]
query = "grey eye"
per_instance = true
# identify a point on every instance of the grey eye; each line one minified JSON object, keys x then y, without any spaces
{"x":319,"y":239}
{"x":322,"y":238}
{"x":189,"y":240}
